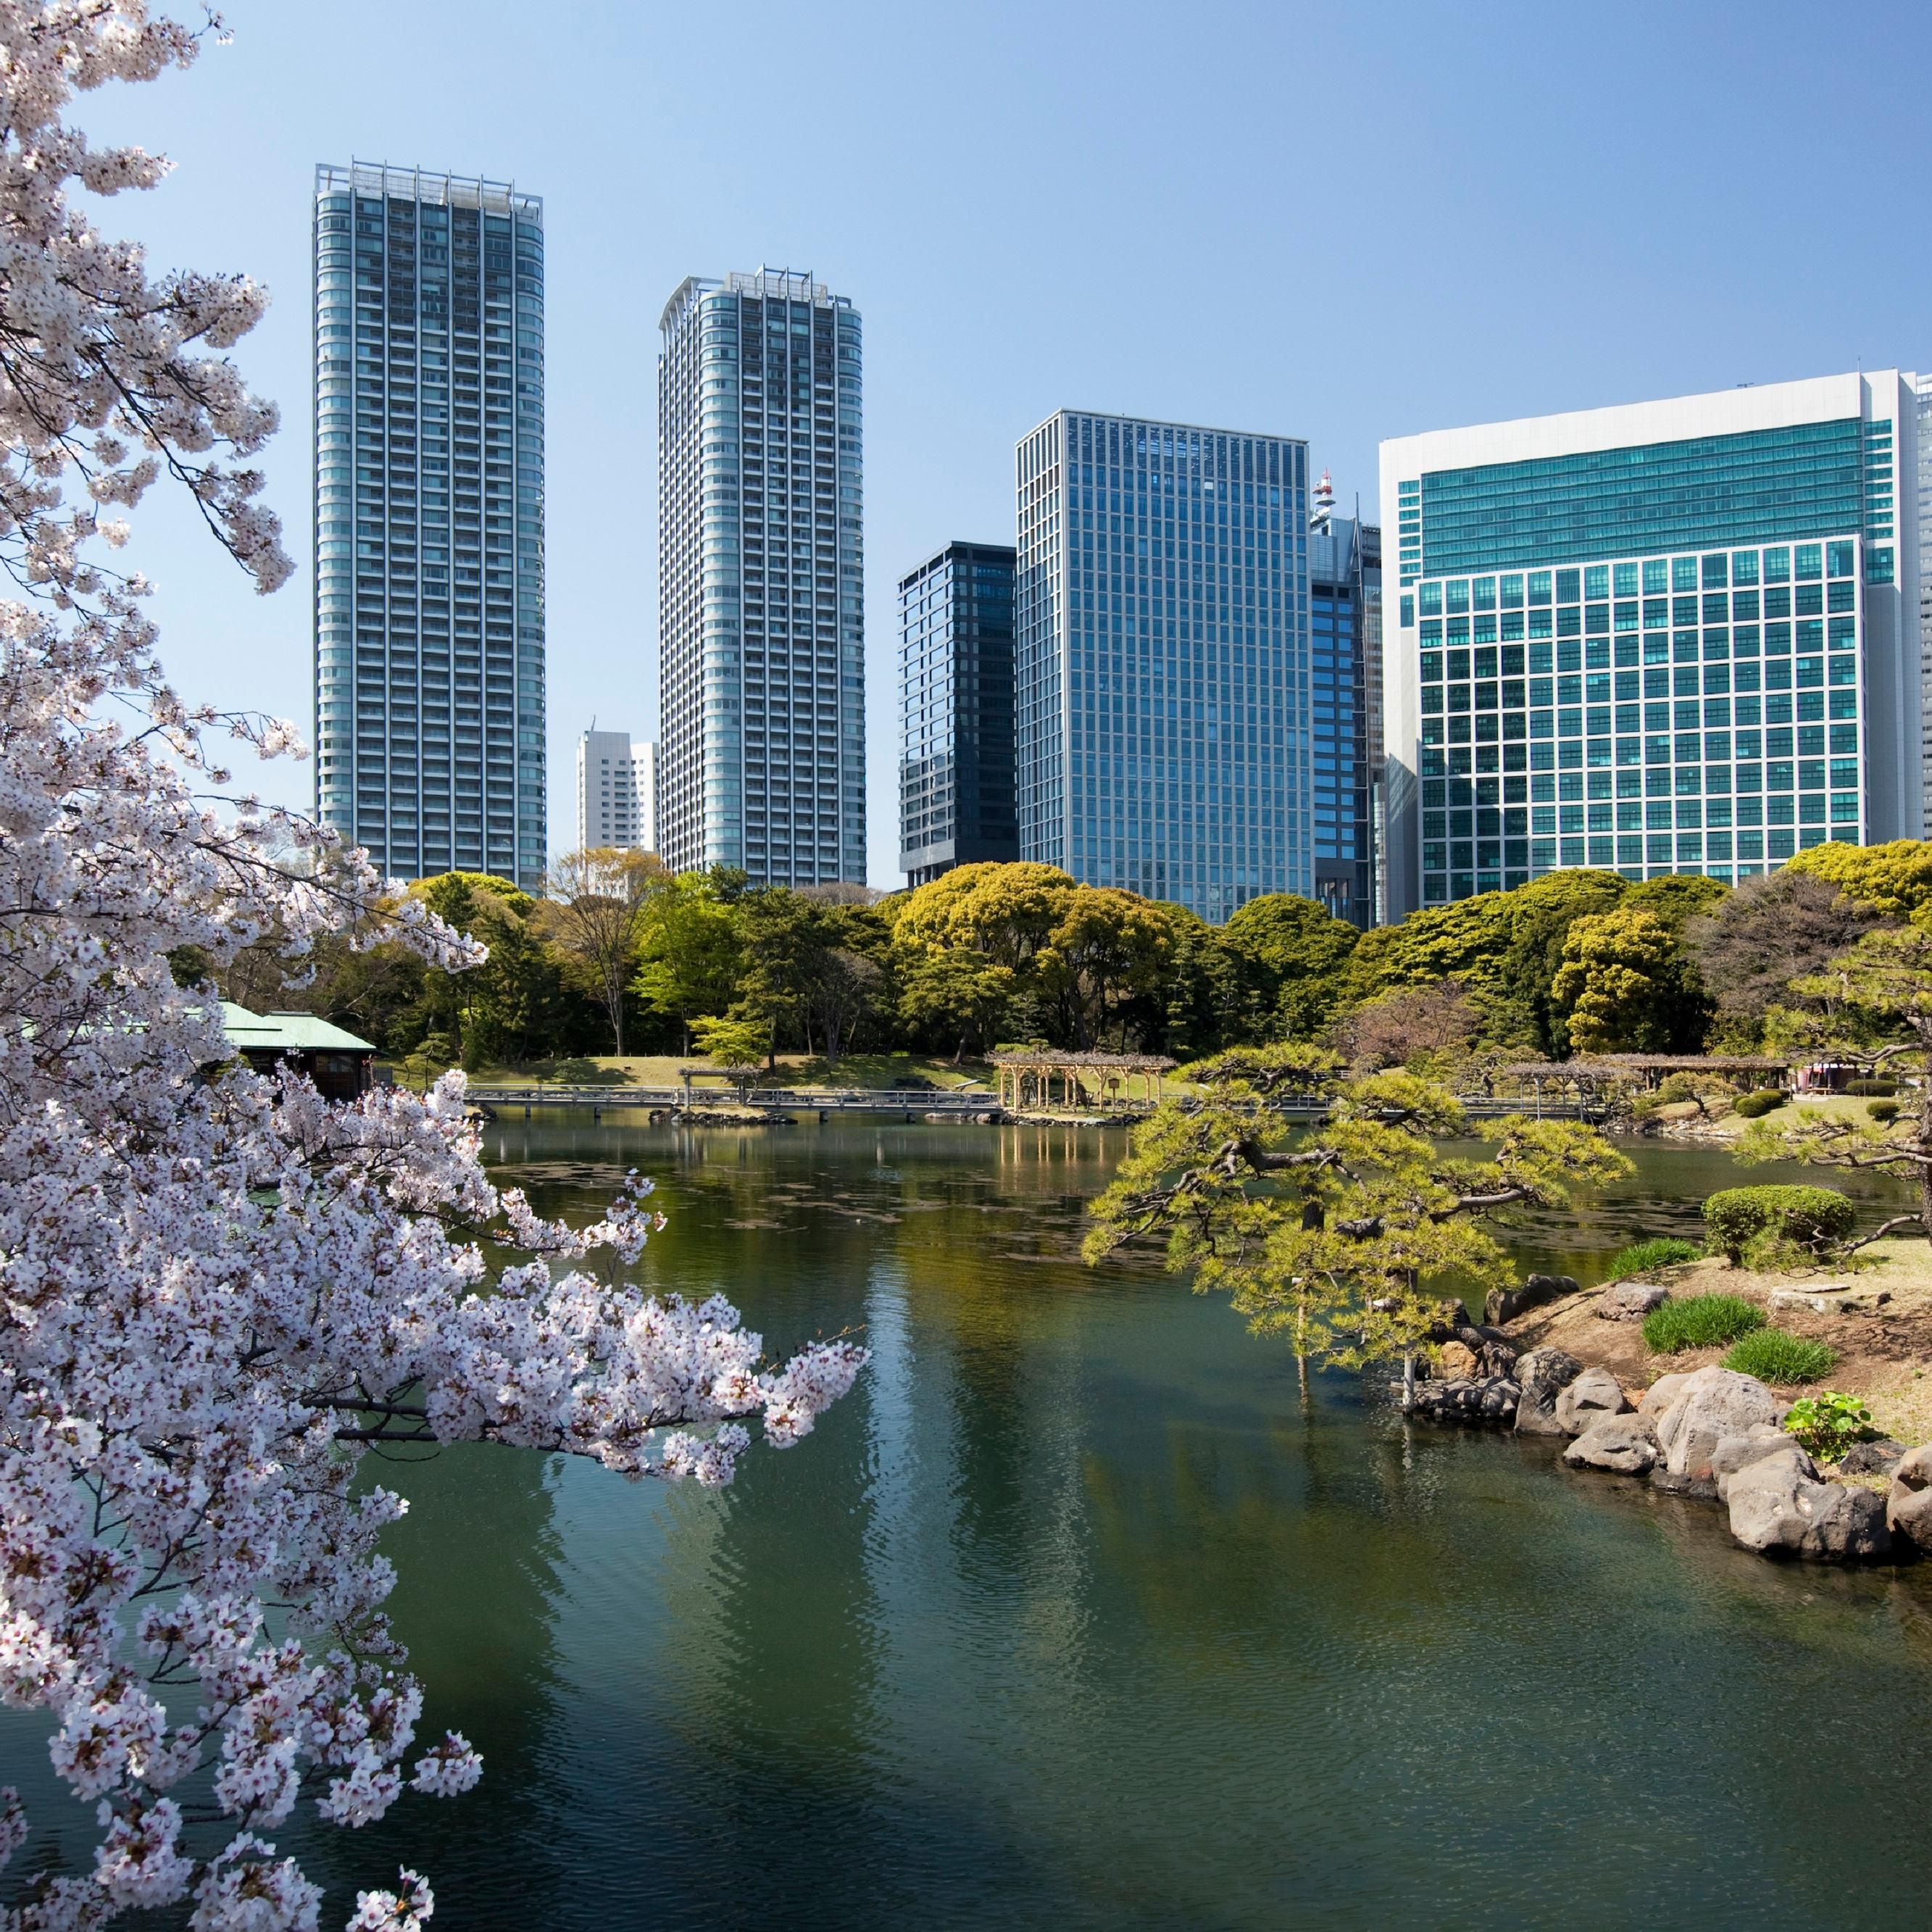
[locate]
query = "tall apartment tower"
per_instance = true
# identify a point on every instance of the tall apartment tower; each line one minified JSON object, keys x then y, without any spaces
{"x":760,"y":560}
{"x":1677,"y":636}
{"x":1161,"y":617}
{"x":429,"y":520}
{"x":1345,"y":567}
{"x":616,"y":792}
{"x":956,"y":803}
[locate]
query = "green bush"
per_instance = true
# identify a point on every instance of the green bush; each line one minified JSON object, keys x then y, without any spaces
{"x":1814,"y":1217}
{"x":1752,"y":1105}
{"x":1777,"y":1355}
{"x":1882,"y":1110}
{"x":1640,"y":1257}
{"x":1826,"y":1425}
{"x":1864,"y":1089}
{"x":1700,"y":1321}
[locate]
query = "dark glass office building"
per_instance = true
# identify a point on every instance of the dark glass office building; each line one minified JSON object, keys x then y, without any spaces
{"x":956,"y":797}
{"x":1344,"y":583}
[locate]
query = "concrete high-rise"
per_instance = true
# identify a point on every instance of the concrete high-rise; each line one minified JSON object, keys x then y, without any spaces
{"x":1161,"y":614}
{"x":760,"y":560}
{"x":956,"y":803}
{"x":1677,"y":636}
{"x":429,"y":520}
{"x":616,"y":792}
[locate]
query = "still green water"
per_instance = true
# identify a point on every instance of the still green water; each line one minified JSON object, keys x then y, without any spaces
{"x":1073,"y":1616}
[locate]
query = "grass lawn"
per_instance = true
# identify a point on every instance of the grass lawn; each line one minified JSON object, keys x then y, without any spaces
{"x":794,"y":1070}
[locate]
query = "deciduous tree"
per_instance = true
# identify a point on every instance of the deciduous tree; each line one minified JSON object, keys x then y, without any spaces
{"x":594,"y":914}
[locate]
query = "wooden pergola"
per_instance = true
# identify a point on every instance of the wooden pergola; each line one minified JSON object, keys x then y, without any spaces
{"x":1590,"y":1075}
{"x":1044,"y":1077}
{"x":744,"y":1079}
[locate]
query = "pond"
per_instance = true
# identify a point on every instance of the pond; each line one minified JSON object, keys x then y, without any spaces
{"x":1074,"y":1614}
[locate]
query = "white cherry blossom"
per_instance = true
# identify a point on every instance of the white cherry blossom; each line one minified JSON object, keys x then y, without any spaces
{"x":218,"y":1290}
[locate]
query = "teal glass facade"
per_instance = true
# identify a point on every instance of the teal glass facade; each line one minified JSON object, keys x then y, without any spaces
{"x":429,"y":520}
{"x":1161,"y":613}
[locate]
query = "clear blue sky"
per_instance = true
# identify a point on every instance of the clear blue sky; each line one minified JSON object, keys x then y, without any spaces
{"x":1340,"y":222}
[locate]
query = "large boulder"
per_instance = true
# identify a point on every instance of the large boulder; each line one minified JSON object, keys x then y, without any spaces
{"x":1625,"y":1445}
{"x":1660,"y":1394}
{"x":1908,"y":1509}
{"x":1505,"y":1304}
{"x":1491,"y":1399}
{"x":1881,"y":1458}
{"x":1457,"y":1361}
{"x":1739,"y":1452}
{"x":1778,"y":1506}
{"x":1543,"y":1374}
{"x":1587,"y":1399}
{"x":1630,"y":1300}
{"x":1712,"y":1404}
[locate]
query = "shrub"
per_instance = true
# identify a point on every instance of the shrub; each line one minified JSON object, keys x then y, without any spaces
{"x":1700,"y":1321}
{"x":1864,"y":1087}
{"x":1777,"y":1355}
{"x":1826,"y":1425}
{"x":1814,"y":1217}
{"x":1882,"y":1110}
{"x":1752,"y":1105}
{"x":1640,"y":1257}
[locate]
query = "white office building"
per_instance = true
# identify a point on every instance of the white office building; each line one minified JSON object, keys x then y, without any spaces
{"x":1679,"y":636}
{"x":760,"y":562}
{"x":1162,"y":676}
{"x":616,"y":792}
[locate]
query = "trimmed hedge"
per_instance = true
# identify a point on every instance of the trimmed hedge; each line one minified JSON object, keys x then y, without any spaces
{"x":1700,"y":1321}
{"x":1813,"y":1216}
{"x":1777,"y":1355}
{"x":1872,"y":1089}
{"x":1882,"y":1110}
{"x":1750,"y":1105}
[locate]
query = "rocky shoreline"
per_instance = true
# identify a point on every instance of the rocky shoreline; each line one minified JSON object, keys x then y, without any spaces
{"x":1712,"y":1435}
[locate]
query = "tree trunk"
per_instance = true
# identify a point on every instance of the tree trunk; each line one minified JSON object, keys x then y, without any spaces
{"x":1407,"y":1381}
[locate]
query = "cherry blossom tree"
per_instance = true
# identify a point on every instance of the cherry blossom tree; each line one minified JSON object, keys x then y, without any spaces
{"x":216,"y":1292}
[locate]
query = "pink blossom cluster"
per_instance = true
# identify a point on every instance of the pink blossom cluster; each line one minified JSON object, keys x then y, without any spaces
{"x":216,"y":1292}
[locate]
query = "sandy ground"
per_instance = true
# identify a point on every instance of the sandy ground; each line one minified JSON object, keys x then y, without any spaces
{"x":1886,"y":1357}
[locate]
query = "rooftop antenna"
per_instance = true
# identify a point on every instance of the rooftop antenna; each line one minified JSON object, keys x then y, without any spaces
{"x":1324,"y":506}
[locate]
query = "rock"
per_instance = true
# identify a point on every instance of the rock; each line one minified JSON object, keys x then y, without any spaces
{"x":1485,"y":1399}
{"x":1908,"y":1509}
{"x":1777,"y":1504}
{"x":1699,"y":1489}
{"x":1625,"y":1445}
{"x":1660,"y":1394}
{"x":1739,"y":1452}
{"x":1712,"y":1404}
{"x":1504,"y":1304}
{"x":1542,"y":1374}
{"x":1588,"y":1399}
{"x":1630,"y":1300}
{"x":1457,"y":1361}
{"x":1881,"y":1458}
{"x":1831,"y":1300}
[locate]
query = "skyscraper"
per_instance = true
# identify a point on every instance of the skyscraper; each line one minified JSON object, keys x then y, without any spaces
{"x":1344,"y":569}
{"x":1161,"y":620}
{"x":956,"y":712}
{"x":761,"y":642}
{"x":1677,"y":636}
{"x":616,"y":792}
{"x":429,"y":431}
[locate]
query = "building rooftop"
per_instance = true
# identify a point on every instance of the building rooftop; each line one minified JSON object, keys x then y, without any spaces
{"x":285,"y":1033}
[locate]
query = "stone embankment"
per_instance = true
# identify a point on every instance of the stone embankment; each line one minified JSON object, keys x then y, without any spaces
{"x":1712,"y":1435}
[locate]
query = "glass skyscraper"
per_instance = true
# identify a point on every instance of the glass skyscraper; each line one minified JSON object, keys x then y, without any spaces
{"x":761,"y":557}
{"x":956,"y":712}
{"x":1161,"y":616}
{"x":1678,"y":636}
{"x":429,"y":520}
{"x":1345,"y":568}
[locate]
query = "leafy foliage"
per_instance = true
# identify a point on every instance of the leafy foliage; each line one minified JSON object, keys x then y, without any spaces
{"x":1777,"y":1355}
{"x":1828,"y":1424}
{"x":1334,"y":1237}
{"x":1814,"y":1218}
{"x":1754,"y":1106}
{"x":1699,"y":1321}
